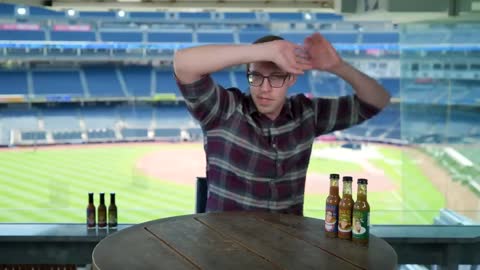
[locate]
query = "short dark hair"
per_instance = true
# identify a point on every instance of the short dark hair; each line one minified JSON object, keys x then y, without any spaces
{"x":264,"y":39}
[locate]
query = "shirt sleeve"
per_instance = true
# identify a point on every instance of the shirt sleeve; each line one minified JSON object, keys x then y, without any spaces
{"x":208,"y":102}
{"x":340,"y":113}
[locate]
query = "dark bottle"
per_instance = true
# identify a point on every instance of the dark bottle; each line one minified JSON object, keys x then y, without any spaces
{"x":112,"y":212}
{"x":90,"y":212}
{"x":331,"y":207}
{"x":102,"y":212}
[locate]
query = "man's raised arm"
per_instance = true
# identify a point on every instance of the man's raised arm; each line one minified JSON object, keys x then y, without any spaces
{"x":193,"y":63}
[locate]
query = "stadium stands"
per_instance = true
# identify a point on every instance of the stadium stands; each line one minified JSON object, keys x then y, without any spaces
{"x":162,"y":33}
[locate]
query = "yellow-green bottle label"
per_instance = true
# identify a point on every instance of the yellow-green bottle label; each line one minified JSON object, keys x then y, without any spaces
{"x":360,"y":224}
{"x":345,"y":220}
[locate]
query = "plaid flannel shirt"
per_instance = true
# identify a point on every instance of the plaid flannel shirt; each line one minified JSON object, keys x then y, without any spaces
{"x":254,"y":163}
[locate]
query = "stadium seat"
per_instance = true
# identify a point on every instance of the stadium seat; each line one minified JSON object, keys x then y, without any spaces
{"x":72,"y":36}
{"x":121,"y":36}
{"x":22,"y":35}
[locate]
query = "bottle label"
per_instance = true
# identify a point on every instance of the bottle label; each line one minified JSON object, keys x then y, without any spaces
{"x":90,"y":218}
{"x":361,"y":224}
{"x":345,"y":220}
{"x":112,"y":218}
{"x":331,"y":218}
{"x":102,"y":219}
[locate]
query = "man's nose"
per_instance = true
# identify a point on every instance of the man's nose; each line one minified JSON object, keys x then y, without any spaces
{"x":265,"y":87}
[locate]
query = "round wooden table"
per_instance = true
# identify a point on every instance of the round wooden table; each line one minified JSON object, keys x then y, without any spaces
{"x":237,"y":240}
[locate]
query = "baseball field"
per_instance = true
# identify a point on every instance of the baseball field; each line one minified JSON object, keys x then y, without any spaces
{"x":156,"y":180}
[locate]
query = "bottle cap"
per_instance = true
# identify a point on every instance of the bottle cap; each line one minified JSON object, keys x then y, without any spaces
{"x":334,"y":176}
{"x":362,"y":181}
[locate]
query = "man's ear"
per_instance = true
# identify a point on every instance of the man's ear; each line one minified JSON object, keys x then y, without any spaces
{"x":291,"y":79}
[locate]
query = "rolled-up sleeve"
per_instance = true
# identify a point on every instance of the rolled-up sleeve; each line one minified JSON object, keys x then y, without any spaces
{"x":206,"y":101}
{"x":341,"y":113}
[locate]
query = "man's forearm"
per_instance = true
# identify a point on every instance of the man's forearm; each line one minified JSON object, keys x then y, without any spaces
{"x":366,"y":88}
{"x":192,"y":63}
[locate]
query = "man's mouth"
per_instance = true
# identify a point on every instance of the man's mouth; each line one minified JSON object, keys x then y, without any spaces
{"x":264,"y":100}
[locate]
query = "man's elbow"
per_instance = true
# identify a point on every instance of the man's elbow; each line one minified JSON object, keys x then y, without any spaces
{"x":385,"y":100}
{"x":178,"y":63}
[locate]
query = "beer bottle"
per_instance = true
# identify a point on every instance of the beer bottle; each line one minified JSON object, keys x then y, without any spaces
{"x":331,"y":208}
{"x":112,"y":212}
{"x":90,"y":212}
{"x":361,"y":215}
{"x":102,"y":212}
{"x":345,"y":210}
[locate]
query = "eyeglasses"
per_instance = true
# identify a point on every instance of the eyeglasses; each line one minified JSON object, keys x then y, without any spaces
{"x":275,"y":80}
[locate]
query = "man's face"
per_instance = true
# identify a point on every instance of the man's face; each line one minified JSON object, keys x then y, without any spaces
{"x":269,"y":100}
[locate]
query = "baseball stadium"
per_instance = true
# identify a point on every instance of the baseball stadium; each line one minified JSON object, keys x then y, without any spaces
{"x":89,"y":103}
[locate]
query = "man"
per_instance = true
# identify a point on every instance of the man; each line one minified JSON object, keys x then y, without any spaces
{"x":258,"y":145}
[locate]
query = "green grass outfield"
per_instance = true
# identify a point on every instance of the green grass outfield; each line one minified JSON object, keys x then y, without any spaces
{"x":51,"y":185}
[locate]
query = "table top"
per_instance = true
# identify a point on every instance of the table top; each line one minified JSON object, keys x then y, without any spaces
{"x":237,"y":240}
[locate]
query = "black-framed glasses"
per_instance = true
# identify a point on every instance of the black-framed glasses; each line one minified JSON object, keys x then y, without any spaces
{"x":276,"y":80}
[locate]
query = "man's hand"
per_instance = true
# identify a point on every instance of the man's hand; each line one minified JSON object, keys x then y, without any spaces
{"x":324,"y":56}
{"x":288,"y":56}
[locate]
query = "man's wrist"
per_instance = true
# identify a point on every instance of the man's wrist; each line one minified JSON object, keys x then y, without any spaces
{"x":340,"y":69}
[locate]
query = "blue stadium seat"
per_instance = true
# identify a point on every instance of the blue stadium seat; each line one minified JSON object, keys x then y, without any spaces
{"x":57,"y":83}
{"x":328,"y":87}
{"x":101,"y":135}
{"x":99,"y":117}
{"x":301,"y":86}
{"x":19,"y":119}
{"x":358,"y":131}
{"x":147,"y":15}
{"x":67,"y":136}
{"x":196,"y":134}
{"x":134,"y":133}
{"x":7,"y":9}
{"x":22,"y":35}
{"x":72,"y":36}
{"x":392,"y":86}
{"x":103,"y":82}
{"x":328,"y":17}
{"x":247,"y":36}
{"x":285,"y":16}
{"x":60,"y":119}
{"x":194,"y":16}
{"x":295,"y":37}
{"x":377,"y":132}
{"x":465,"y":37}
{"x":121,"y":36}
{"x":341,"y":37}
{"x":170,"y":37}
{"x":215,"y":37}
{"x":38,"y":11}
{"x":167,"y":133}
{"x":424,"y":37}
{"x":138,"y":80}
{"x":13,"y":82}
{"x":172,"y":116}
{"x":244,"y":16}
{"x":136,"y":116}
{"x":33,"y":135}
{"x":394,"y":134}
{"x":97,"y":14}
{"x":222,"y":78}
{"x":166,"y":83}
{"x":380,"y":38}
{"x":241,"y":79}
